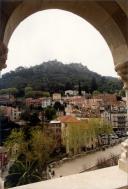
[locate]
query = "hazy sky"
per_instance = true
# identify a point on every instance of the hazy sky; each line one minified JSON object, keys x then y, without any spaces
{"x":61,"y":35}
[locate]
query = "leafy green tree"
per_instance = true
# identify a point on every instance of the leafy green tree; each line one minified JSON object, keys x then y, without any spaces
{"x":122,"y":93}
{"x":79,"y":88}
{"x":29,"y":94}
{"x":100,"y":127}
{"x":107,"y":129}
{"x":34,"y":119}
{"x":37,"y":94}
{"x":50,"y":113}
{"x":93,"y":84}
{"x":31,"y":118}
{"x":77,"y":137}
{"x":58,"y":106}
{"x":96,"y":92}
{"x":10,"y":91}
{"x":28,"y":89}
{"x":45,"y":146}
{"x":14,"y":142}
{"x":46,"y":94}
{"x":85,"y":134}
{"x":3,"y":91}
{"x":26,"y":115}
{"x":32,"y":156}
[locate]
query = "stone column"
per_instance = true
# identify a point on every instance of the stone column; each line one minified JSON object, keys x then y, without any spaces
{"x":126,"y":91}
{"x":3,"y":55}
{"x":123,"y":161}
{"x":3,"y":58}
{"x":122,"y":70}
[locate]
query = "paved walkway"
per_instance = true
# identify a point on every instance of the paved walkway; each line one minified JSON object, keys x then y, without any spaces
{"x":85,"y":162}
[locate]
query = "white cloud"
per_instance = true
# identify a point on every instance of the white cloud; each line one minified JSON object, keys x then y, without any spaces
{"x":61,"y":35}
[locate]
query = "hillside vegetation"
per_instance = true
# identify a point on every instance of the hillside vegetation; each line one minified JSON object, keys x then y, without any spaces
{"x":54,"y":76}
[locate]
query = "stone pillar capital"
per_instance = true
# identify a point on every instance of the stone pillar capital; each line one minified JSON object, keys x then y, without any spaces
{"x":122,"y":70}
{"x":123,"y":161}
{"x":3,"y":55}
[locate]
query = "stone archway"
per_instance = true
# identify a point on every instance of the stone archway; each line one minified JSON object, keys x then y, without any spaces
{"x":110,"y":18}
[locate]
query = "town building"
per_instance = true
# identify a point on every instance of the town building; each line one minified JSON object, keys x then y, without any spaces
{"x":56,"y":97}
{"x":12,"y":113}
{"x":94,"y":103}
{"x":7,"y":99}
{"x":117,"y":116}
{"x":73,"y":134}
{"x":33,"y":102}
{"x":46,"y":102}
{"x":68,"y":109}
{"x":108,"y":99}
{"x":81,"y":107}
{"x":75,"y":100}
{"x":71,"y":93}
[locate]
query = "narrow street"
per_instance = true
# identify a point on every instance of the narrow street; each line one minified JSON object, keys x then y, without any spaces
{"x":85,"y":162}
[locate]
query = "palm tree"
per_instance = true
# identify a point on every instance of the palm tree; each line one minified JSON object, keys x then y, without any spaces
{"x":20,"y":174}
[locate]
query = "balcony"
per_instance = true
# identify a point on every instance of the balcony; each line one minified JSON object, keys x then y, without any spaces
{"x":107,"y":178}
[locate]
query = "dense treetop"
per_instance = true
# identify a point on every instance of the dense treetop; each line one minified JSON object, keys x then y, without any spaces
{"x":54,"y":76}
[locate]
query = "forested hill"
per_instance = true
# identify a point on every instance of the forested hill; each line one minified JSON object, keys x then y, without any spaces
{"x":54,"y":76}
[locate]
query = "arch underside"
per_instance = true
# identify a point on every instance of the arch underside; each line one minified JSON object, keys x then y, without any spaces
{"x":108,"y":17}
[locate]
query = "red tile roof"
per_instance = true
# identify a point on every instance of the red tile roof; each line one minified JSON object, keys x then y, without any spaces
{"x":68,"y":119}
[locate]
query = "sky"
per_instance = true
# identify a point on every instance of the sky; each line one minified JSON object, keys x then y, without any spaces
{"x":57,"y":34}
